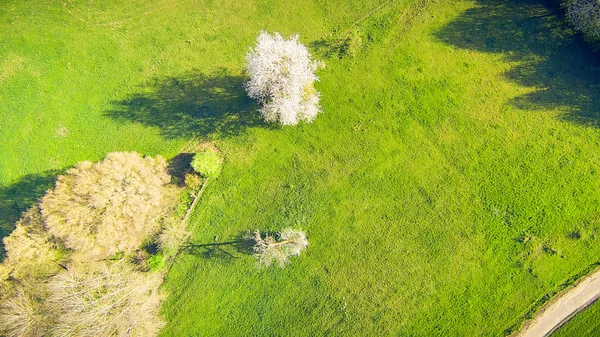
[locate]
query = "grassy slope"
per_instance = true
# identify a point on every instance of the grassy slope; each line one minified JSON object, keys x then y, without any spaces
{"x":450,"y":183}
{"x":442,"y":190}
{"x":585,"y":324}
{"x":81,"y":79}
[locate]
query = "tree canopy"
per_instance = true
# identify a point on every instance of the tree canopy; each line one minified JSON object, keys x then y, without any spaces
{"x":111,"y":206}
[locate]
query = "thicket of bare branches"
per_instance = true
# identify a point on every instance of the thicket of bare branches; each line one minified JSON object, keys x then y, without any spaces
{"x":23,"y":311}
{"x":173,"y":235}
{"x":30,"y":249}
{"x":267,"y":249}
{"x":95,"y":211}
{"x":31,"y":257}
{"x":282,"y":76}
{"x":105,"y":300}
{"x":98,"y":299}
{"x":111,"y":206}
{"x":585,"y":16}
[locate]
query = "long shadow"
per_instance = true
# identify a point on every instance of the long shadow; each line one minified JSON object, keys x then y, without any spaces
{"x":192,"y":105}
{"x":19,"y":196}
{"x":225,"y":251}
{"x":179,"y":166}
{"x":549,"y":55}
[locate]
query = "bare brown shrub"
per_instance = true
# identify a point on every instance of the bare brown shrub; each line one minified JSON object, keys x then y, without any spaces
{"x":173,"y":235}
{"x":23,"y":312}
{"x":110,"y":206}
{"x":267,"y":249}
{"x":30,"y":250}
{"x":105,"y":300}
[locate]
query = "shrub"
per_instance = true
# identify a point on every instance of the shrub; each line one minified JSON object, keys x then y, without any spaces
{"x":97,"y":210}
{"x":282,"y":79}
{"x":173,"y":235}
{"x":585,"y":16}
{"x":111,"y":206}
{"x":349,"y":44}
{"x":268,"y":250}
{"x":193,"y":181}
{"x":208,"y":164}
{"x":105,"y":300}
{"x":30,"y":250}
{"x":23,"y":312}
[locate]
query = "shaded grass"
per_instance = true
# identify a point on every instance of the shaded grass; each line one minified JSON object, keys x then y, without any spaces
{"x":536,"y":40}
{"x":192,"y":106}
{"x":444,"y":189}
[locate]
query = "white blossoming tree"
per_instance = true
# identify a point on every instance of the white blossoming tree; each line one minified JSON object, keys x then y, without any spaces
{"x":282,"y":79}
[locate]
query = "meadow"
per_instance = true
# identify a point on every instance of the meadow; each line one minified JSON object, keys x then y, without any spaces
{"x":450,"y":184}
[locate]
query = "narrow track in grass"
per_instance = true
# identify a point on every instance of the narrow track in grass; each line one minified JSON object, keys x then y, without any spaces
{"x":563,"y":307}
{"x":192,"y":146}
{"x":184,"y":221}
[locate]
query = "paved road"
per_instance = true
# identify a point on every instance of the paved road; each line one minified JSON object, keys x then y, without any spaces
{"x":564,"y":306}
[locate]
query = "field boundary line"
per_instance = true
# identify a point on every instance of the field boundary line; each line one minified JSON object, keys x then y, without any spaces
{"x":183,"y":222}
{"x":122,"y":21}
{"x":357,"y":22}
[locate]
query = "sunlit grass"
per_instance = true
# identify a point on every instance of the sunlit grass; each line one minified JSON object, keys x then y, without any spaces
{"x":450,"y":182}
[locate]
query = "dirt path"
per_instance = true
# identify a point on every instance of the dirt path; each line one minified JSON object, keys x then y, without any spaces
{"x":563,"y":307}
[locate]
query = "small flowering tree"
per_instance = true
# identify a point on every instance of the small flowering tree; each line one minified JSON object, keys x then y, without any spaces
{"x":282,"y":79}
{"x":267,"y":249}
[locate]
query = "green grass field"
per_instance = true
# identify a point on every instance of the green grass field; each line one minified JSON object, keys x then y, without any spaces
{"x":585,"y":324}
{"x":451,"y":182}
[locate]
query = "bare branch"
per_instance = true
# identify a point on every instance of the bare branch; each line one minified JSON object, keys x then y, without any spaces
{"x":105,"y":300}
{"x":268,"y":250}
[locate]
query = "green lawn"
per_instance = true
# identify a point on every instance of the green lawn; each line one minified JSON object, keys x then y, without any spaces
{"x":585,"y":324}
{"x":451,"y":181}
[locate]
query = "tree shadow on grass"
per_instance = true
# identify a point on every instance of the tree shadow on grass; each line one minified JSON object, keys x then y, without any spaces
{"x":193,"y":105}
{"x":179,"y":166}
{"x":549,"y":55}
{"x":224,"y":251}
{"x":19,"y":196}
